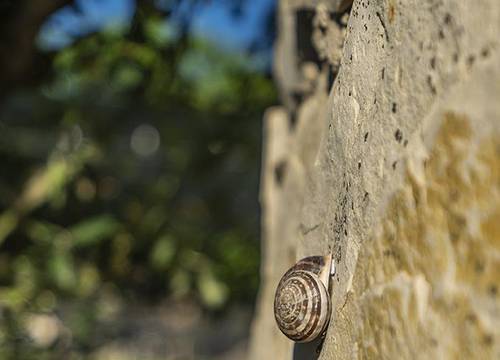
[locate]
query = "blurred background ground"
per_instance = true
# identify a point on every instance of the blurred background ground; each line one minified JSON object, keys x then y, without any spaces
{"x":130,"y":144}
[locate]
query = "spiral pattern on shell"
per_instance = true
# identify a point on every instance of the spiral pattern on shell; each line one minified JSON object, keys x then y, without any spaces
{"x":301,"y":305}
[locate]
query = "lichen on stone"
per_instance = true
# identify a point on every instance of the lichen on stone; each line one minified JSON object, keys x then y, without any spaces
{"x":427,"y":285}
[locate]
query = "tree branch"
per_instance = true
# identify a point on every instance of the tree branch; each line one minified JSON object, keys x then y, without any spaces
{"x":20,"y":22}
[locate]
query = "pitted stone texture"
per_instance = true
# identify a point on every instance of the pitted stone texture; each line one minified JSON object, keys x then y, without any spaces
{"x":401,"y":183}
{"x":426,"y":284}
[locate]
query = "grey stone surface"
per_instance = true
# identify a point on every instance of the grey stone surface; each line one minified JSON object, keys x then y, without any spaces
{"x":371,"y":167}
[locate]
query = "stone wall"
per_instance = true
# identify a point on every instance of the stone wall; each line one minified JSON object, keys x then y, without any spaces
{"x":387,"y":153}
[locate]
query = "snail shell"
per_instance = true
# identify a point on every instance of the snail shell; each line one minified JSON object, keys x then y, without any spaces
{"x":302,"y":301}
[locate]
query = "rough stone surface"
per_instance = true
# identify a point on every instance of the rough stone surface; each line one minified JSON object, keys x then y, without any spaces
{"x":394,"y":167}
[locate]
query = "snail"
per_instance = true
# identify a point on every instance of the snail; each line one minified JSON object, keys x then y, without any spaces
{"x":302,"y":301}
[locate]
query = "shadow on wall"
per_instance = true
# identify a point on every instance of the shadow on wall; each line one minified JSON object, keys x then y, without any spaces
{"x":308,"y":351}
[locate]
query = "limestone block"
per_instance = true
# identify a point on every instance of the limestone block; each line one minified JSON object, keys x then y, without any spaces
{"x":395,"y":168}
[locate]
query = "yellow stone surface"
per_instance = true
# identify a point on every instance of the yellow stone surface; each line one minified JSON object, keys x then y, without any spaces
{"x":427,"y":285}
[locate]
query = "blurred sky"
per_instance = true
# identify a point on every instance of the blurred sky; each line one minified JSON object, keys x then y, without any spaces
{"x":214,"y":20}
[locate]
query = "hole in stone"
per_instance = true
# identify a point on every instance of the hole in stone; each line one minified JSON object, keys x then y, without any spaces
{"x":488,"y":339}
{"x":470,"y":60}
{"x":485,"y":52}
{"x":398,"y":135}
{"x":447,"y":19}
{"x":431,"y":85}
{"x":280,"y":172}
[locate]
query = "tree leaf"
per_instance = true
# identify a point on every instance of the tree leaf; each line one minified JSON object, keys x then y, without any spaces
{"x":94,"y":230}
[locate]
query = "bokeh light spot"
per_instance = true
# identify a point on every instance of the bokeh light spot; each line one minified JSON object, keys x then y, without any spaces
{"x":145,"y":140}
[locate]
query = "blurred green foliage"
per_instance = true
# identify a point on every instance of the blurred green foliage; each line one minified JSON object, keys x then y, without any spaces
{"x":130,"y":175}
